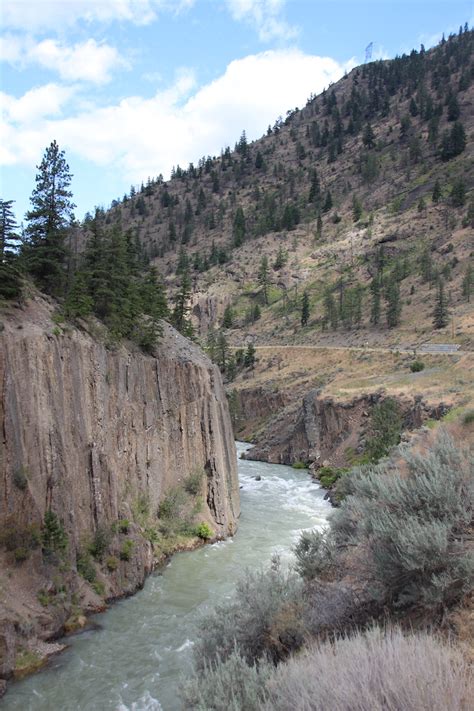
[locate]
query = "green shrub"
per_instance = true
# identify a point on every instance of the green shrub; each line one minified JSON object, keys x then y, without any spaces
{"x":386,"y":425}
{"x":315,"y":554}
{"x":193,"y":483}
{"x":299,"y":465}
{"x":43,"y":598}
{"x":20,"y":478}
{"x":54,"y":537}
{"x":99,"y":587}
{"x":126,"y":549}
{"x":14,"y":535}
{"x":329,"y":475}
{"x":86,"y":567}
{"x":173,"y":504}
{"x":112,"y":563}
{"x":468,"y":418}
{"x":21,"y":554}
{"x":100,"y":542}
{"x":203,"y":530}
{"x":416,"y":366}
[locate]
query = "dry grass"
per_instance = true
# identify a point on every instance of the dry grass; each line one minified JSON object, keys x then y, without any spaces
{"x":377,"y":670}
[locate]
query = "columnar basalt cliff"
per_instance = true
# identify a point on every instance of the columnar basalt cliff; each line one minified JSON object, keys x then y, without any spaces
{"x":93,"y":434}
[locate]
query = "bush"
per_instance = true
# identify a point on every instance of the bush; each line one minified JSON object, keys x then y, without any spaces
{"x":121,"y":526}
{"x":126,"y":549}
{"x":261,"y":619}
{"x":100,"y":542}
{"x":85,"y":567}
{"x":20,"y":478}
{"x":376,"y":670}
{"x":204,"y":531}
{"x":112,"y":563}
{"x":298,"y":465}
{"x":14,"y":536}
{"x":408,"y":527}
{"x":386,"y":424}
{"x":54,"y":536}
{"x":468,"y":418}
{"x":227,"y":685}
{"x":21,"y":554}
{"x":193,"y":483}
{"x":417,"y":366}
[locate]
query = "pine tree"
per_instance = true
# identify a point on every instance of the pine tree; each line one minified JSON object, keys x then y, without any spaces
{"x":281,"y":259}
{"x":181,"y":306}
{"x":8,"y":227}
{"x":228,"y":318}
{"x":375,"y":306}
{"x":468,"y":283}
{"x":356,"y":209}
{"x":440,"y":311}
{"x":327,"y":202}
{"x":394,"y":306}
{"x":264,"y":278}
{"x":249,"y":357}
{"x":222,"y":351}
{"x":368,"y":137}
{"x":239,"y":228}
{"x":319,"y":227}
{"x":315,"y":189}
{"x":10,"y":281}
{"x":458,"y":192}
{"x":331,"y":315}
{"x":45,"y":251}
{"x":305,"y":309}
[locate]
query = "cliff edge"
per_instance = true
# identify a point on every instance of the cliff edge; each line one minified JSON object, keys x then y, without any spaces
{"x":98,"y":445}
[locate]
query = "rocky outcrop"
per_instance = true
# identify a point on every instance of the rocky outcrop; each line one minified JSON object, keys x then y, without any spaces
{"x":327,"y":432}
{"x":251,"y":408}
{"x":98,"y":436}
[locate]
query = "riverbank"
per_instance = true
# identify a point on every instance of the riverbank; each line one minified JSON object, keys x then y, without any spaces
{"x":133,"y":655}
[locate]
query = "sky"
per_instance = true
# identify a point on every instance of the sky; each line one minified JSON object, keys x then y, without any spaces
{"x":131,"y":88}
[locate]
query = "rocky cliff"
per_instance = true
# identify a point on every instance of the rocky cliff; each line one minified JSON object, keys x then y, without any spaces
{"x":99,"y":437}
{"x":326,"y":432}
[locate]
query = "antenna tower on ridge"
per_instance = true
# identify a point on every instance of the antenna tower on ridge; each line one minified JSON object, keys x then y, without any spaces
{"x":368,"y":52}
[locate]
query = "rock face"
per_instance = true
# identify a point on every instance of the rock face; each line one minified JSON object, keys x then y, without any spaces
{"x":89,"y":432}
{"x":323,"y":431}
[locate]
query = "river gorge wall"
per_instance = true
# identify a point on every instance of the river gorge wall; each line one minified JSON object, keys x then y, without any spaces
{"x":98,"y":436}
{"x":315,"y":428}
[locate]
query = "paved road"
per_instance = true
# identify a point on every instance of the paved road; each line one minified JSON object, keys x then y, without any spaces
{"x":427,"y":348}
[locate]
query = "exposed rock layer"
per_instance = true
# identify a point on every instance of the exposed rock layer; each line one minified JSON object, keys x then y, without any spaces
{"x":88,"y":432}
{"x":321,"y":430}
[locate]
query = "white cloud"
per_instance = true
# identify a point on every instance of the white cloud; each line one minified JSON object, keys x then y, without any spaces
{"x":146,"y":136}
{"x":35,"y":15}
{"x":264,"y":16}
{"x":86,"y":61}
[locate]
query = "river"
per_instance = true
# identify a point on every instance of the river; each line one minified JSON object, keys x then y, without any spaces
{"x":134,"y":656}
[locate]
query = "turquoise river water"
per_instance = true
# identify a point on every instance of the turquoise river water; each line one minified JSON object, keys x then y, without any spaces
{"x":137,"y":652}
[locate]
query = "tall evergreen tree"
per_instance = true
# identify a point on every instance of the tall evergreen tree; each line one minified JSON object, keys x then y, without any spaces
{"x":440,"y":311}
{"x":50,"y":215}
{"x":330,"y":315}
{"x":10,"y":282}
{"x":239,"y":229}
{"x":305,"y":309}
{"x":468,"y":283}
{"x":181,"y":306}
{"x":375,"y":305}
{"x":394,"y":305}
{"x":264,"y":277}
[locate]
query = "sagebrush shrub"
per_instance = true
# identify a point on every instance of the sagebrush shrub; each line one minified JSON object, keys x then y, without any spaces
{"x":230,"y":685}
{"x":409,"y":527}
{"x":262,"y":618}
